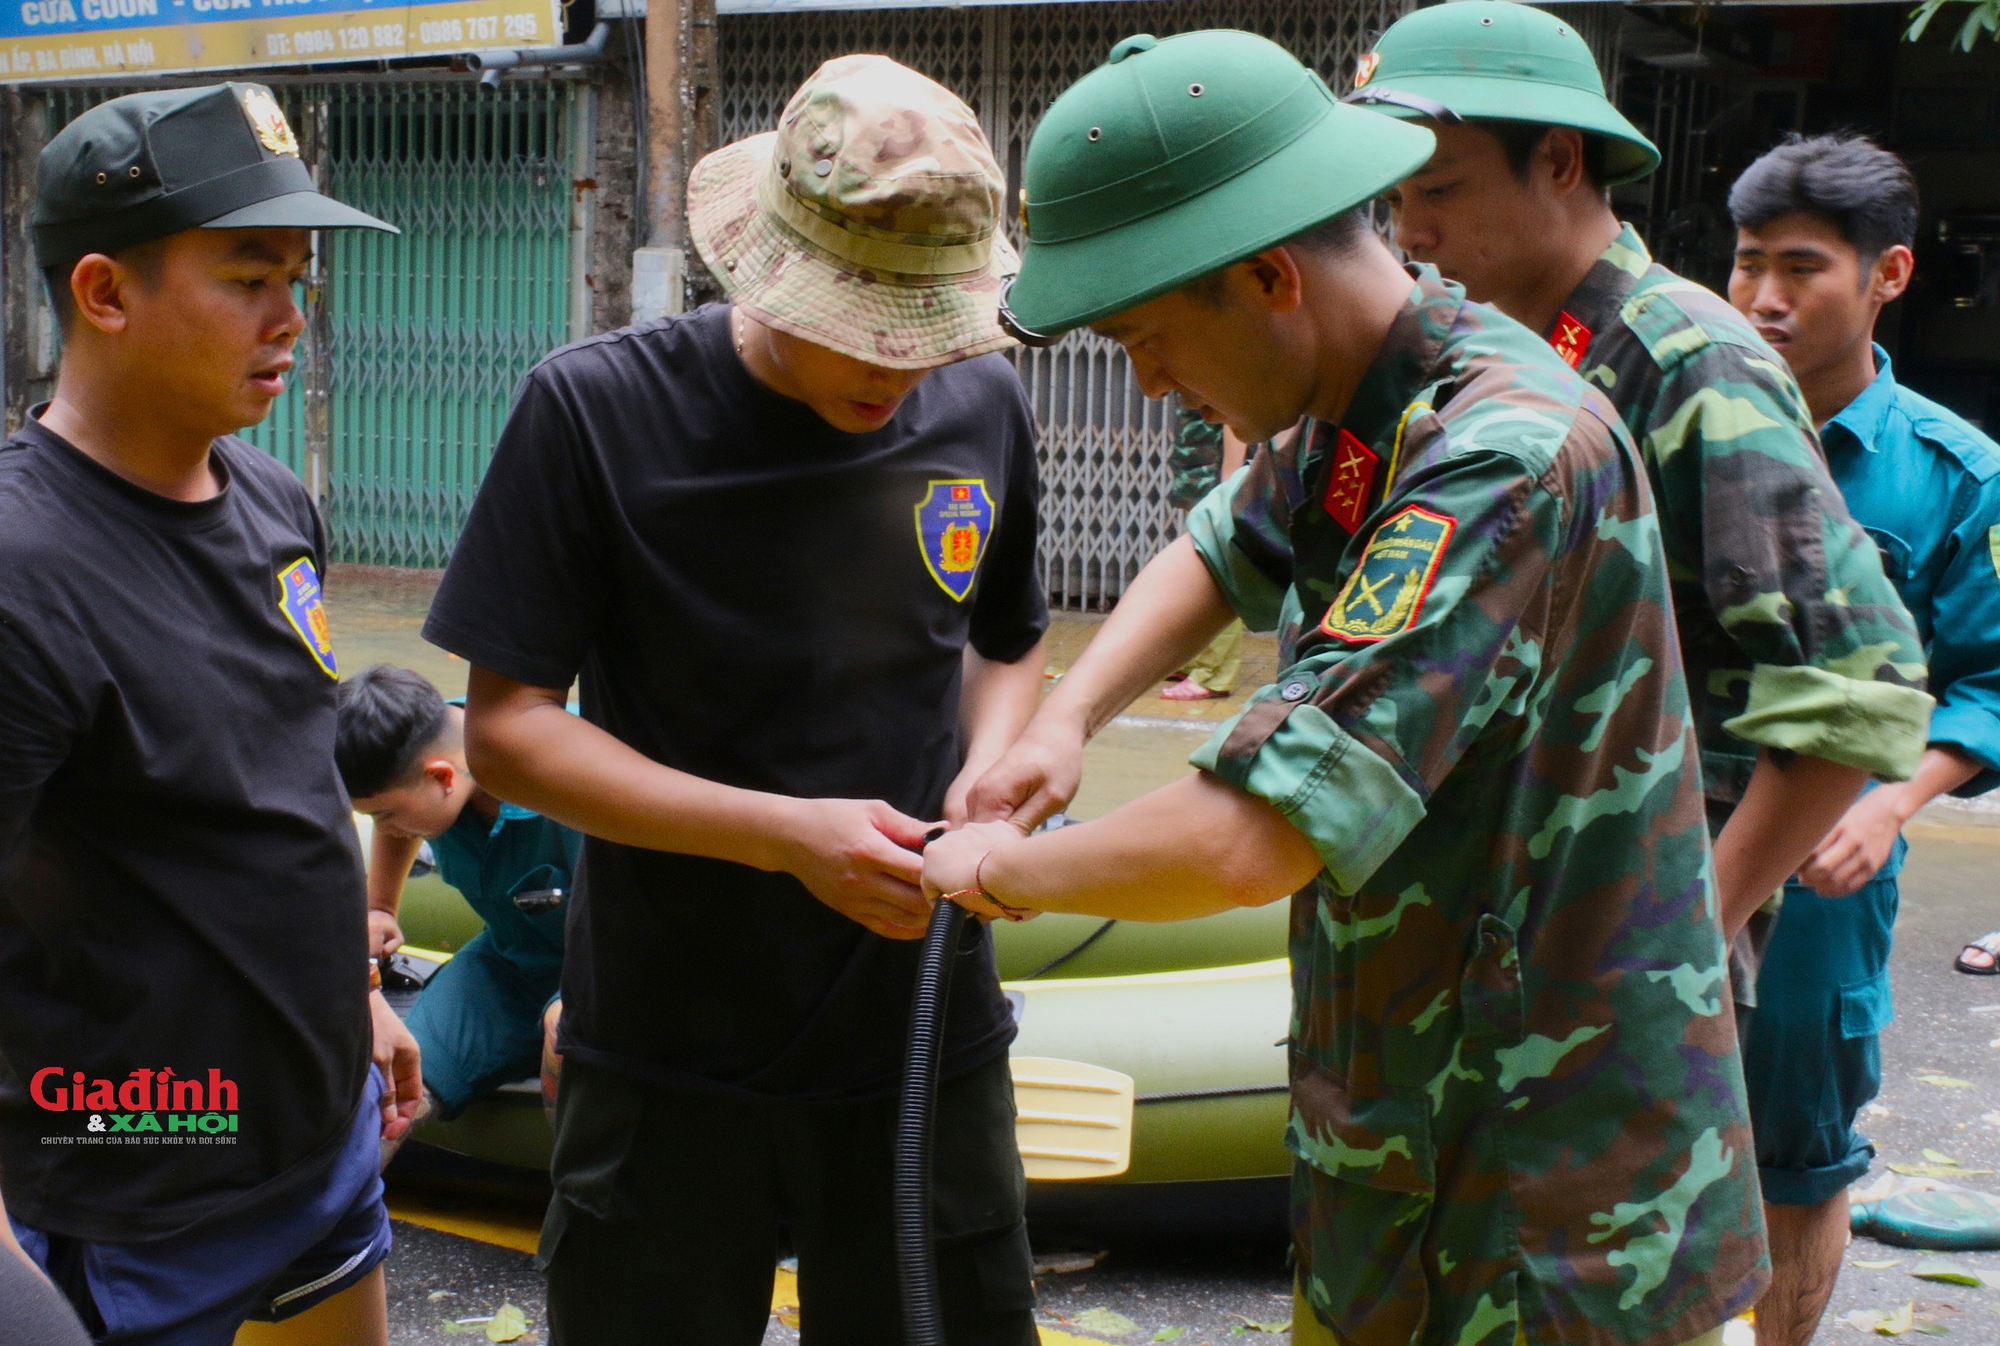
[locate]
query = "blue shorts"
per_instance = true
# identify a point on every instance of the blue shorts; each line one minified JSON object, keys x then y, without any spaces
{"x":478,"y":1024}
{"x":1812,"y":1052}
{"x":269,"y":1263}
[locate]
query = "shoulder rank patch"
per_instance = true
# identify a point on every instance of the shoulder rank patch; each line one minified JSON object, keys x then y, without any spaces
{"x":954,"y":519}
{"x":298,"y":599}
{"x":1571,"y":340}
{"x":1386,"y":592}
{"x":1350,"y":481}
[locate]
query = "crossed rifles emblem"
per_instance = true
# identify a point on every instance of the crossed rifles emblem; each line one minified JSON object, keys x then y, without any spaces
{"x":1364,"y":592}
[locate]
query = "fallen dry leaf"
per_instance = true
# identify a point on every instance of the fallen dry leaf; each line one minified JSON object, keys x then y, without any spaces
{"x":1108,"y":1321}
{"x":507,"y":1324}
{"x":1252,"y":1325}
{"x":1064,"y":1264}
{"x":1937,"y":1269}
{"x":1883,"y":1265}
{"x":1944,"y":1082}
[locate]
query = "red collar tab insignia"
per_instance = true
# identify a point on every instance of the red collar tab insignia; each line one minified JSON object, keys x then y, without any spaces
{"x":1364,"y":68}
{"x":1571,"y":340}
{"x":1385,"y":594}
{"x":1350,"y":482}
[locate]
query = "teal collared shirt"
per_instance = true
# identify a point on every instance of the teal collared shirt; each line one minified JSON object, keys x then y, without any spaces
{"x":519,"y":851}
{"x":1926,"y":486}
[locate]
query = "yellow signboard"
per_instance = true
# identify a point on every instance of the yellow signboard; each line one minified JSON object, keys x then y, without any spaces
{"x":45,"y":40}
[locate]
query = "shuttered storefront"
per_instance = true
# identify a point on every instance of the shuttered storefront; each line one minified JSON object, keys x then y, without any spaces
{"x":415,"y":341}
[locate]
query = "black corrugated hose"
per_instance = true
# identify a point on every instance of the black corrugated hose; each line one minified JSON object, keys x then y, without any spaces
{"x":916,"y":1255}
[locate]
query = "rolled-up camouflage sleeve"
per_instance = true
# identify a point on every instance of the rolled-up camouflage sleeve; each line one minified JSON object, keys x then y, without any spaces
{"x":1354,"y":736}
{"x":1830,"y":661}
{"x":1240,"y":531}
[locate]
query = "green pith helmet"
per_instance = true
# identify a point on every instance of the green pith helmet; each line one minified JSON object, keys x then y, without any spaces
{"x":1178,"y":157}
{"x":1495,"y":60}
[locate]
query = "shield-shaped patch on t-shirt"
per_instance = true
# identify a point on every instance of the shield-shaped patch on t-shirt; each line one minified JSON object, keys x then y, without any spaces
{"x":954,"y":519}
{"x":299,"y":600}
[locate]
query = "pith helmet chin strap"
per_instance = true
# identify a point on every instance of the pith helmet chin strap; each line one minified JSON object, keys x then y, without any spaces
{"x":1013,"y":326}
{"x":1436,"y":111}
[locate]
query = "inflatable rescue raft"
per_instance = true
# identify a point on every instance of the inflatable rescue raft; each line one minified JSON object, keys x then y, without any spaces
{"x":1195,"y":1012}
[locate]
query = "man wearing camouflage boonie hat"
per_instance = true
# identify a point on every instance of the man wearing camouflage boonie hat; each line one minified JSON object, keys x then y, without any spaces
{"x":1517,"y":1108}
{"x":1806,"y":668}
{"x":789,"y":544}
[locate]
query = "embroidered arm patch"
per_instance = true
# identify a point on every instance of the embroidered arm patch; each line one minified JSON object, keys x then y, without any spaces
{"x":1385,"y":594}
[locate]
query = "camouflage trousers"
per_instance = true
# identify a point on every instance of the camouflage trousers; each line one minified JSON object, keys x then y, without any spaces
{"x":1308,"y":1330}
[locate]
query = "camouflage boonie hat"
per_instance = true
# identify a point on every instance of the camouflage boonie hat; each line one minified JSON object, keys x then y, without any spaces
{"x":868,"y":222}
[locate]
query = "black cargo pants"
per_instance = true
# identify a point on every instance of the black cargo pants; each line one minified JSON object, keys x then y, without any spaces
{"x":669,"y":1204}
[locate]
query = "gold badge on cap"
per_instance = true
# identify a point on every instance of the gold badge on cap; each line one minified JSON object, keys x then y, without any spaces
{"x":1364,"y":68}
{"x":274,"y":133}
{"x":1024,"y":212}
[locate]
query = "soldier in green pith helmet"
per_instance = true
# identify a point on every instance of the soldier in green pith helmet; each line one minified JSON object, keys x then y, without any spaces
{"x":1806,"y":669}
{"x":1518,"y":1111}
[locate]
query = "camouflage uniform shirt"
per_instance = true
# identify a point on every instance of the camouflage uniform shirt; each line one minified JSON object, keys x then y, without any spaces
{"x":1794,"y":638}
{"x":1195,"y":460}
{"x":1517,"y":1103}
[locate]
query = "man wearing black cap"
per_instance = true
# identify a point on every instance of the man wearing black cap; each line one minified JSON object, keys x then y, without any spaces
{"x":189,"y":1125}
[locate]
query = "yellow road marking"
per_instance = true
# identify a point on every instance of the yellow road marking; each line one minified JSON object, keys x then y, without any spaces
{"x":505,"y":1229}
{"x":520,"y":1232}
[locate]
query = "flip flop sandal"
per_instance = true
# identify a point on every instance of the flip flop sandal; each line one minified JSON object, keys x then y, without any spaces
{"x":1176,"y":691}
{"x":1986,"y":944}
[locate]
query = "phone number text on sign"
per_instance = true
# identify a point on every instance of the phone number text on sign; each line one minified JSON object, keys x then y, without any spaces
{"x":326,"y":30}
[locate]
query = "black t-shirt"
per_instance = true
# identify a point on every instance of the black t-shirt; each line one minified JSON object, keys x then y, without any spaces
{"x":755,"y":598}
{"x":180,"y":887}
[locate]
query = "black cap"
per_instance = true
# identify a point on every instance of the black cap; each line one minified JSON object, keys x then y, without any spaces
{"x":151,"y":164}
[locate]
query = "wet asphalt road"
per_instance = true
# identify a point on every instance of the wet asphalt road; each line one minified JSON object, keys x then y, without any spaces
{"x":1951,"y":893}
{"x":1209,"y":1286}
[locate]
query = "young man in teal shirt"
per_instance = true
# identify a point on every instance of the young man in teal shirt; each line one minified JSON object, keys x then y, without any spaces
{"x":1824,"y":233}
{"x":401,"y":751}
